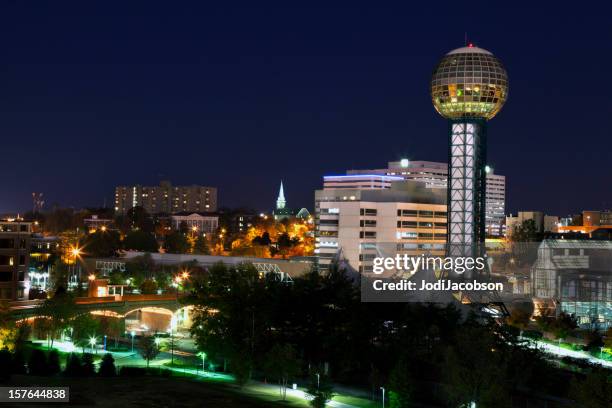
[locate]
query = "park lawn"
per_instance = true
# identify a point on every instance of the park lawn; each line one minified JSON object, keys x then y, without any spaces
{"x":62,"y":354}
{"x":150,"y":391}
{"x":356,"y":401}
{"x":272,"y":395}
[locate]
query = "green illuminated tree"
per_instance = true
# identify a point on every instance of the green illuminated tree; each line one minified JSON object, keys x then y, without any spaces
{"x":84,"y":327}
{"x":320,"y":390}
{"x":401,"y":384}
{"x":147,"y":348}
{"x":282,"y":364}
{"x":55,"y":315}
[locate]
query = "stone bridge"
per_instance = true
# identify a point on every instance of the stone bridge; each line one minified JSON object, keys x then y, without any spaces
{"x":113,"y":305}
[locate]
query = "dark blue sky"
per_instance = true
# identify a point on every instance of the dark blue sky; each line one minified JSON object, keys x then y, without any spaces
{"x":95,"y":94}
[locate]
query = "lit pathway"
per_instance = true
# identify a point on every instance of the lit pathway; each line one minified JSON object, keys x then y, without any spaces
{"x":563,"y":352}
{"x":129,"y":358}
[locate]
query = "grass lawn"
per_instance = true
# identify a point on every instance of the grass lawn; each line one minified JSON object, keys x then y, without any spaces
{"x":356,"y":401}
{"x":150,"y":392}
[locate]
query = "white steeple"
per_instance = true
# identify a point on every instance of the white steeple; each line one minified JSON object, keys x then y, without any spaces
{"x":280,"y":201}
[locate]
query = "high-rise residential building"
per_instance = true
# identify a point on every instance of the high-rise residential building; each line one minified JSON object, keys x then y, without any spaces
{"x":356,"y":224}
{"x":166,"y":198}
{"x":432,"y":175}
{"x":15,"y":242}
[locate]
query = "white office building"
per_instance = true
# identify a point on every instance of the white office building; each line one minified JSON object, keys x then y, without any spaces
{"x":358,"y":224}
{"x":435,"y":175}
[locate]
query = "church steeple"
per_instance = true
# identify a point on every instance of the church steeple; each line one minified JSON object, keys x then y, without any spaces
{"x":280,"y":201}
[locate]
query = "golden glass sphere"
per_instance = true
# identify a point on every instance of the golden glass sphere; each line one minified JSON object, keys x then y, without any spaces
{"x":469,"y":82}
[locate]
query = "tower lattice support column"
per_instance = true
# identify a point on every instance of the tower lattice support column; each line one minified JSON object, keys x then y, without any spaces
{"x":466,"y":188}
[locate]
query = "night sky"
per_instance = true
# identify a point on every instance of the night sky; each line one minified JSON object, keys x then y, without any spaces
{"x":96,"y":94}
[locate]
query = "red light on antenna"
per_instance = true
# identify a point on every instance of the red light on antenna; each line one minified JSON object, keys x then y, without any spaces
{"x":471,"y":45}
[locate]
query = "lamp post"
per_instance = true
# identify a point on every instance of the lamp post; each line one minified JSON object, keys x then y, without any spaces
{"x":92,"y":343}
{"x":76,"y":252}
{"x":172,"y":325}
{"x":383,"y":396}
{"x":105,"y":342}
{"x":318,"y":380}
{"x":203,"y":355}
{"x":133,"y":333}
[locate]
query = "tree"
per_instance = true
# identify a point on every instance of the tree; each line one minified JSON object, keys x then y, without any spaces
{"x":281,"y":363}
{"x":263,"y":240}
{"x":201,"y":246}
{"x":238,"y":332}
{"x":176,"y":243}
{"x":84,"y":327}
{"x":320,"y":390}
{"x":59,"y":275}
{"x":116,"y":277}
{"x":114,"y":328}
{"x":5,"y":365}
{"x":101,"y":244}
{"x":563,"y":325}
{"x":594,"y":341}
{"x":401,"y":384}
{"x":595,"y":391}
{"x":136,"y":218}
{"x":73,"y":365}
{"x":107,"y":366}
{"x":472,"y":366}
{"x":53,"y":363}
{"x":147,"y":348}
{"x":9,"y":332}
{"x":242,"y":367}
{"x":608,"y":338}
{"x":520,"y":317}
{"x":148,"y":287}
{"x":54,"y":315}
{"x":87,"y":368}
{"x":37,"y":363}
{"x":139,"y":240}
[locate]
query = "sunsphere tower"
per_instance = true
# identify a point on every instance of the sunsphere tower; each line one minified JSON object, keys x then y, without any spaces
{"x":468,"y":87}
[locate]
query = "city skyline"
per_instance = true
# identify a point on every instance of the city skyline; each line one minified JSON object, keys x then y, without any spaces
{"x":215,"y":97}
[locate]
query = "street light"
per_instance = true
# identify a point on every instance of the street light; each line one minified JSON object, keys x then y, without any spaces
{"x":383,"y":396}
{"x":76,"y":252}
{"x":203,"y":355}
{"x":133,"y":333}
{"x":92,"y":343}
{"x":92,"y":277}
{"x":318,"y":379}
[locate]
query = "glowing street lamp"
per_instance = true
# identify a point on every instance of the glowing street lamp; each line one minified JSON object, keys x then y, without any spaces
{"x":133,"y":333}
{"x":203,"y":355}
{"x":92,"y":343}
{"x":92,"y":277}
{"x":383,"y":396}
{"x":75,"y":251}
